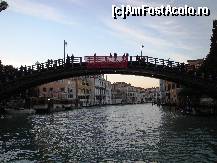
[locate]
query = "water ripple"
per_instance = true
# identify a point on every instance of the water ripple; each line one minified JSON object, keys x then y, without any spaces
{"x":142,"y":133}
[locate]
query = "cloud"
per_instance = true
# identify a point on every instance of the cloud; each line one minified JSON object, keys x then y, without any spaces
{"x":39,"y":10}
{"x":167,"y":26}
{"x":9,"y":60}
{"x":179,"y":57}
{"x":163,"y":38}
{"x":166,"y":37}
{"x":76,"y":2}
{"x":140,"y":3}
{"x":133,"y":33}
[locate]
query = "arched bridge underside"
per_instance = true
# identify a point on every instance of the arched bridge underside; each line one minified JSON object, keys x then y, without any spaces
{"x":206,"y":86}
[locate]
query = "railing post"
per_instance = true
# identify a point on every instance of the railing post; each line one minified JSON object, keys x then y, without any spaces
{"x":155,"y":61}
{"x":147,"y":59}
{"x":163,"y":62}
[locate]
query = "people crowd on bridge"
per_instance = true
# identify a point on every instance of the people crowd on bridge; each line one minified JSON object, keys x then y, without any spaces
{"x":10,"y":73}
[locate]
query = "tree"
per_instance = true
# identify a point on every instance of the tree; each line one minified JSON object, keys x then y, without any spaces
{"x":3,"y":5}
{"x":211,"y":59}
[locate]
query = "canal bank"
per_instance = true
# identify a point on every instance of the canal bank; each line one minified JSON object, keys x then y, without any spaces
{"x":48,"y":105}
{"x":193,"y":109}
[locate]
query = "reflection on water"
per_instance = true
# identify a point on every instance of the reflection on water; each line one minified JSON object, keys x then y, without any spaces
{"x":114,"y":133}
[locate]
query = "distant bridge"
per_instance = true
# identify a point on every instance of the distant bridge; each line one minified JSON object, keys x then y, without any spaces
{"x":17,"y":80}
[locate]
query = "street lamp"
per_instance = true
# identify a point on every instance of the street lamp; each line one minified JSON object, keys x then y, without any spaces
{"x":141,"y":49}
{"x":65,"y":44}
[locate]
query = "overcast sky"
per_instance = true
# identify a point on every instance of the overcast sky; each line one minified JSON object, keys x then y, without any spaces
{"x":34,"y":30}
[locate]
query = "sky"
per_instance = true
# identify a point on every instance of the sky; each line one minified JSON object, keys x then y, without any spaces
{"x":34,"y":30}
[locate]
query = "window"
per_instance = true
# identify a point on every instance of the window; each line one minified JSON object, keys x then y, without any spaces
{"x":70,"y":90}
{"x":169,"y":87}
{"x":70,"y":96}
{"x":51,"y":89}
{"x":44,"y":89}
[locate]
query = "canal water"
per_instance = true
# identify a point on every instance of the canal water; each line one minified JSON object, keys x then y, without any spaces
{"x":128,"y":133}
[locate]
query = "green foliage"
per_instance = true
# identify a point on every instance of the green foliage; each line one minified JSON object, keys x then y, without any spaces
{"x":189,"y":92}
{"x":3,"y":5}
{"x":210,"y":65}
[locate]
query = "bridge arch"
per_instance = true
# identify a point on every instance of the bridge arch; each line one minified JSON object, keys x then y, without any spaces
{"x":35,"y":75}
{"x":134,"y":68}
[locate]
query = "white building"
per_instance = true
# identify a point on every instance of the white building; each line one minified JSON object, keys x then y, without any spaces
{"x":108,"y":93}
{"x":131,"y":95}
{"x":140,"y":95}
{"x":150,"y":95}
{"x":98,"y":90}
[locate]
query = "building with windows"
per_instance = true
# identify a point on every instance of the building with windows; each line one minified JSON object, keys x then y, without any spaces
{"x":108,"y":93}
{"x":119,"y":93}
{"x":61,"y":89}
{"x":195,"y":64}
{"x":169,"y":91}
{"x":100,"y":88}
{"x":83,"y":89}
{"x":96,"y":90}
{"x":151,"y":94}
{"x":131,"y":94}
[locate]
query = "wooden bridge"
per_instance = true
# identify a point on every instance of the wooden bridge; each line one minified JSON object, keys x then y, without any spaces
{"x":15,"y":80}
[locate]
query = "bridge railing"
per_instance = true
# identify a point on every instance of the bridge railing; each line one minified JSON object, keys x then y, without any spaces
{"x":8,"y":73}
{"x":156,"y":61}
{"x":51,"y":64}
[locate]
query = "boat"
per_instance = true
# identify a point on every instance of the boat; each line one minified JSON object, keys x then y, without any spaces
{"x":44,"y":105}
{"x":20,"y":111}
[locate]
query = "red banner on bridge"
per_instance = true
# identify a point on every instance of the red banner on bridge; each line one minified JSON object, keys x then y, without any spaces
{"x":106,"y":62}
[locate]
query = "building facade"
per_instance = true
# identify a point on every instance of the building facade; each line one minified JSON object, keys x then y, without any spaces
{"x":131,"y":94}
{"x":61,"y":89}
{"x":119,"y":95}
{"x":96,"y":90}
{"x":83,"y":89}
{"x":169,"y":91}
{"x":108,"y":93}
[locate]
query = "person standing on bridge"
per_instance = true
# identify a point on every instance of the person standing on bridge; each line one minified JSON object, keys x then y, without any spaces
{"x":72,"y":59}
{"x":115,"y":56}
{"x":94,"y":57}
{"x":123,"y":57}
{"x":67,"y":61}
{"x":137,"y":58}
